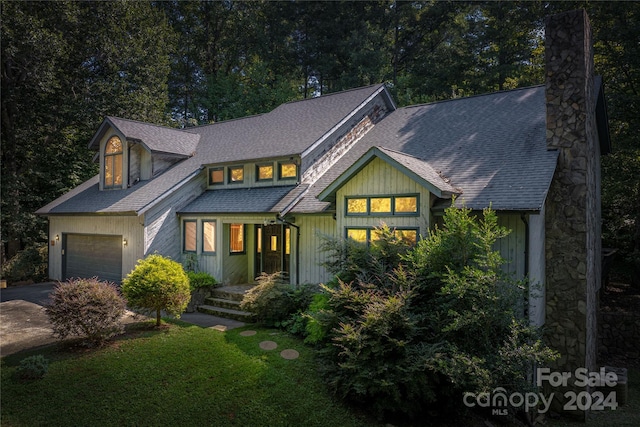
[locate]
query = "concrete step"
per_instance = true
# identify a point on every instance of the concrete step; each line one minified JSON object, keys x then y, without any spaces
{"x":227,"y":313}
{"x":222,"y":302}
{"x":233,"y":292}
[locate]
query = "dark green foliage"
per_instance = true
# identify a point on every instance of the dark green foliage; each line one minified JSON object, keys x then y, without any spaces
{"x":438,"y":320}
{"x":157,"y":283}
{"x":271,"y":300}
{"x":32,"y":368}
{"x":28,"y":264}
{"x":87,"y":308}
{"x":201,"y":279}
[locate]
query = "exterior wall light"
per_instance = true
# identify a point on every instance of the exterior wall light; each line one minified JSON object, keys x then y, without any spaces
{"x":124,"y":242}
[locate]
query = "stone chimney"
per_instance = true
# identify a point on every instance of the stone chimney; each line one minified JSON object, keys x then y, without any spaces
{"x":572,"y":219}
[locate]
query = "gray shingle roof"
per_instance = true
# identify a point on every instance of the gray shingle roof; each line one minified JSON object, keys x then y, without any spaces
{"x":158,"y":139}
{"x":239,"y":200}
{"x":493,"y":147}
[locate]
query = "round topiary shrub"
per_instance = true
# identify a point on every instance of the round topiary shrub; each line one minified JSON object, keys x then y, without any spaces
{"x":156,"y":284}
{"x":87,"y":308}
{"x":32,"y":368}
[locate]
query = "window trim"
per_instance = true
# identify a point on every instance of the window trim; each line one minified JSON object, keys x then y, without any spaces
{"x":211,"y":182}
{"x":244,"y":240}
{"x":215,"y":236}
{"x":382,"y":214}
{"x":261,"y":165}
{"x":288,"y":178}
{"x":113,"y":156}
{"x":184,"y":236}
{"x":230,"y":170}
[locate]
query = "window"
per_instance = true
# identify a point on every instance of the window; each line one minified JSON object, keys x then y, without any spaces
{"x":287,"y":241}
{"x":208,"y":236}
{"x":382,"y":206}
{"x":236,"y":239}
{"x":367,"y":235}
{"x":236,"y":174}
{"x":189,"y":237}
{"x":406,"y":205}
{"x":358,"y":234}
{"x":357,"y":206}
{"x":216,"y":176}
{"x":265,"y":172}
{"x":288,"y":170}
{"x":113,"y":163}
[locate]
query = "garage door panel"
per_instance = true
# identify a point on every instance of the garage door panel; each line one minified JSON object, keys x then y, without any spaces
{"x":93,"y":255}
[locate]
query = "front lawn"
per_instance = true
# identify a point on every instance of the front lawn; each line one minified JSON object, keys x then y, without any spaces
{"x":182,"y":375}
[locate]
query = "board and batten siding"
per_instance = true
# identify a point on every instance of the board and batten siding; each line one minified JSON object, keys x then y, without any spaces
{"x":130,"y":228}
{"x":312,"y":228}
{"x":379,"y":178}
{"x":163,"y":232}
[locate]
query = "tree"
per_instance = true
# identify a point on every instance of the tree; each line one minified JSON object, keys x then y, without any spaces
{"x":156,"y":284}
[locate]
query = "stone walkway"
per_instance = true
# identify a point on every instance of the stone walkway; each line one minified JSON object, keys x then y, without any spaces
{"x":288,"y":353}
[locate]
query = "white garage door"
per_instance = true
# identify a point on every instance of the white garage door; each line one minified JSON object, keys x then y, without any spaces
{"x":91,"y":255}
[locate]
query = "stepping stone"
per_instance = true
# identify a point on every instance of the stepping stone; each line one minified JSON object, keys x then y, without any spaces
{"x":247,"y":333}
{"x":268,"y":345}
{"x":289,"y":354}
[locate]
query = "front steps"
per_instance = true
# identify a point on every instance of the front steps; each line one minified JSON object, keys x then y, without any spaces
{"x":225,"y":302}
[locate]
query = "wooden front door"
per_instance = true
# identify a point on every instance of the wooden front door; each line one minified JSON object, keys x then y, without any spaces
{"x":271,"y":248}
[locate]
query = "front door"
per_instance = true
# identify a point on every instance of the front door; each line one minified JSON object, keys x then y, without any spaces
{"x":270,"y":249}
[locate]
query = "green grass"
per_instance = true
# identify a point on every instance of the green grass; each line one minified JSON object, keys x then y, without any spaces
{"x":181,"y":376}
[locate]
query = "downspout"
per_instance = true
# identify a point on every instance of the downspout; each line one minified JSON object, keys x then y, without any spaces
{"x":297,"y":227}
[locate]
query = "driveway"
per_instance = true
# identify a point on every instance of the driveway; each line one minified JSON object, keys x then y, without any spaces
{"x":23,"y":323}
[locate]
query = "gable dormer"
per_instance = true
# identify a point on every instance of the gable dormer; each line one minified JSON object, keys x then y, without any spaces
{"x":130,"y":151}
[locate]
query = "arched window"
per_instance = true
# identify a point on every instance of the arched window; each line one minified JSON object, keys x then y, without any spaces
{"x":113,"y":163}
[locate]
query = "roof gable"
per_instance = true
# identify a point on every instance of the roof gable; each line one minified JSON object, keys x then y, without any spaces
{"x":157,"y":139}
{"x":414,"y":168}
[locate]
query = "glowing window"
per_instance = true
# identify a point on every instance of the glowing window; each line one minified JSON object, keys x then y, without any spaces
{"x":216,"y":176}
{"x":408,"y":236}
{"x":208,"y":236}
{"x":236,"y":174}
{"x":236,"y":239}
{"x":380,"y":205}
{"x":189,"y":244}
{"x":357,"y":234}
{"x":113,"y":163}
{"x":288,"y":170}
{"x":357,"y":206}
{"x":406,"y":205}
{"x":265,"y":172}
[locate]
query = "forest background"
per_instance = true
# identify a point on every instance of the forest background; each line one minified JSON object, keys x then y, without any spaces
{"x":68,"y":64}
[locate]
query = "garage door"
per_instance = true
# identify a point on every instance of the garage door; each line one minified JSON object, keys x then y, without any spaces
{"x":90,"y":255}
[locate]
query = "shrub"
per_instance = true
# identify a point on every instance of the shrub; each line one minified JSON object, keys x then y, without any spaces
{"x":418,"y":328}
{"x":271,"y":300}
{"x":200,"y":280}
{"x":32,"y":367}
{"x":28,"y":264}
{"x":156,"y":284}
{"x":88,"y":308}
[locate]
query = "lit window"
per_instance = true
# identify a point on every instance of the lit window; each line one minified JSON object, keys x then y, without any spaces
{"x":259,"y":240}
{"x":236,"y":240}
{"x":236,"y":174}
{"x":189,"y":244}
{"x":380,"y":205}
{"x":113,"y":163}
{"x":265,"y":172}
{"x":216,"y":176}
{"x":407,"y":236}
{"x":404,"y":205}
{"x":287,"y":241}
{"x":357,"y":234}
{"x":288,"y":170}
{"x":356,"y":206}
{"x":208,"y":236}
{"x":274,"y":243}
